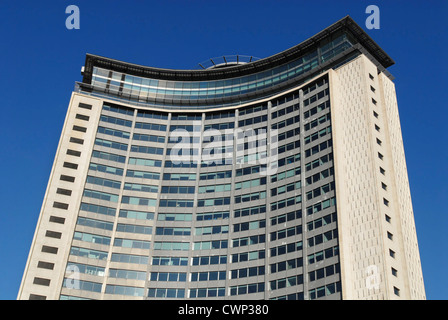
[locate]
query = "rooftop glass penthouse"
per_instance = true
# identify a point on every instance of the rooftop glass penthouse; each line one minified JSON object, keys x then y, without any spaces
{"x":279,"y":178}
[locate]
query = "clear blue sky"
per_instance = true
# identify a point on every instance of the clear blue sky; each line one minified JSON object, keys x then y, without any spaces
{"x":41,"y":60}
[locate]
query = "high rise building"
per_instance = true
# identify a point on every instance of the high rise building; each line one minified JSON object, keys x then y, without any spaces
{"x":275,"y":178}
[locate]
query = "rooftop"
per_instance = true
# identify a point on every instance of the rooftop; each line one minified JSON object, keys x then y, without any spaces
{"x":346,"y":24}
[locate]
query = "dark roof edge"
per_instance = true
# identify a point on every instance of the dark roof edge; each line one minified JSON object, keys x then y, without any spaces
{"x":240,"y":70}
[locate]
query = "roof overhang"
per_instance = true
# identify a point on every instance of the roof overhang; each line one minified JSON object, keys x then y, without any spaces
{"x":345,"y":24}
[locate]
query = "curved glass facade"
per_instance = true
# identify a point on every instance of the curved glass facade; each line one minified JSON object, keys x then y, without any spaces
{"x":162,"y":93}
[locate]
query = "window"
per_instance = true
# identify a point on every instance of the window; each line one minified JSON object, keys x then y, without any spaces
{"x":139,"y":215}
{"x":60,"y":205}
{"x":252,"y":225}
{"x":80,"y":129}
{"x":386,"y":202}
{"x":141,"y":187}
{"x":143,"y":149}
{"x":138,"y":201}
{"x":125,"y":290}
{"x":82,"y":117}
{"x":92,"y":238}
{"x":169,"y":261}
{"x":377,"y":128}
{"x":70,"y":165}
{"x":95,"y":223}
{"x":286,"y":248}
{"x":246,"y":241}
{"x":67,"y":178}
{"x":129,"y":258}
{"x":109,"y":156}
{"x":247,"y":272}
{"x":49,"y":249}
{"x":372,"y":89}
{"x":45,"y":265}
{"x":64,"y":192}
{"x":210,"y":188}
{"x":383,"y":185}
{"x":131,"y":228}
{"x":117,"y":121}
{"x":73,"y":153}
{"x":97,"y":209}
{"x":394,"y":272}
{"x":119,"y":109}
{"x":114,"y":132}
{"x":250,"y":197}
{"x":371,"y":77}
{"x":208,"y":276}
{"x":41,"y":282}
{"x":127,"y":274}
{"x":380,"y":156}
{"x":152,"y":115}
{"x":170,"y":231}
{"x":85,"y":106}
{"x":166,"y":293}
{"x":207,"y":292}
{"x":382,"y":171}
{"x":248,"y":256}
{"x":247,"y":288}
{"x":396,"y":291}
{"x":57,"y":220}
{"x":392,"y":253}
{"x":211,"y":216}
{"x":88,"y":253}
{"x":173,"y":203}
{"x":53,"y":234}
{"x":145,"y":162}
{"x":209,"y":260}
{"x":101,"y":195}
{"x":250,"y":183}
{"x":176,"y":246}
{"x":208,"y":245}
{"x":378,"y":141}
{"x":213,"y":202}
{"x":211,"y":230}
{"x":390,"y":236}
{"x":86,"y":269}
{"x":388,"y":219}
{"x":375,"y":114}
{"x":143,"y":174}
{"x":168,"y":276}
{"x":83,"y":285}
{"x":249,"y":211}
{"x":103,"y":182}
{"x":181,"y":176}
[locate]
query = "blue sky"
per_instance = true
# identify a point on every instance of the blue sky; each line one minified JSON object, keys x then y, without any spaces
{"x":41,"y":60}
